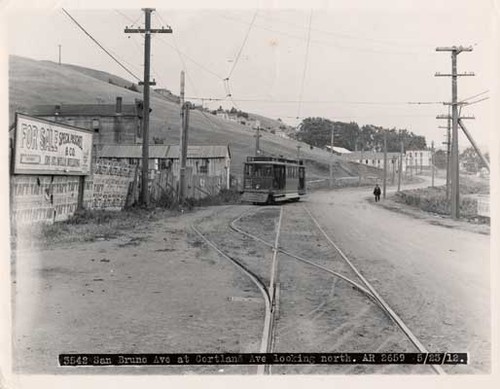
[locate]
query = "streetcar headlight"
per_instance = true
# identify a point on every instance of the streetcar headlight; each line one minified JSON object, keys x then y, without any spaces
{"x":257,"y":186}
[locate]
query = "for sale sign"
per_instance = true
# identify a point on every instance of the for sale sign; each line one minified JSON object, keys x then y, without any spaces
{"x":45,"y":147}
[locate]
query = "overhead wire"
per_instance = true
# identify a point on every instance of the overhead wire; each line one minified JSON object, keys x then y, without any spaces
{"x":100,"y":45}
{"x":327,"y":43}
{"x":242,"y":45}
{"x":183,"y":62}
{"x":306,"y":57}
{"x":348,"y":36}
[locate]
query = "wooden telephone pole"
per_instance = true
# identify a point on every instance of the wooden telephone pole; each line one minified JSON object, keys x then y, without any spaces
{"x":385,"y":164}
{"x":454,"y":176}
{"x":331,"y":158}
{"x":432,"y":162}
{"x":400,"y":166}
{"x":183,"y":144}
{"x":147,"y":31}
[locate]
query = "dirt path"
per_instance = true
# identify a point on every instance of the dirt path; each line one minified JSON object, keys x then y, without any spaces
{"x":161,"y":289}
{"x":436,"y":278}
{"x":155,"y":290}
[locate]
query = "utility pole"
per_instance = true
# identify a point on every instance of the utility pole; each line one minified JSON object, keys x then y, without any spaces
{"x":393,"y":179}
{"x":183,"y":150}
{"x":298,"y":151}
{"x":144,"y":199}
{"x":454,"y":176}
{"x":183,"y":142}
{"x":448,"y":153}
{"x":257,"y":141}
{"x":432,"y":162}
{"x":400,"y":166}
{"x":331,"y":157}
{"x":59,"y":54}
{"x":385,"y":164}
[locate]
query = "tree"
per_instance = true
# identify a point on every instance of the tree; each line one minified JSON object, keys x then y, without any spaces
{"x":471,"y":161}
{"x":440,"y":159}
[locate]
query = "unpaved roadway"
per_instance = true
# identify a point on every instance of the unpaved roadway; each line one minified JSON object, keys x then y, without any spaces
{"x":436,"y":278}
{"x":161,"y":289}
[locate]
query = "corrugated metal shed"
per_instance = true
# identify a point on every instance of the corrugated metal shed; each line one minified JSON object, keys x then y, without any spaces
{"x":163,"y":151}
{"x":83,"y":110}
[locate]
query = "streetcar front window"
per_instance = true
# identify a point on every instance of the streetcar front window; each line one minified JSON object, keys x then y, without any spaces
{"x":258,"y":171}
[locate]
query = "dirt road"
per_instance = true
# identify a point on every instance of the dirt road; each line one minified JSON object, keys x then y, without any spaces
{"x":436,"y":278}
{"x":160,"y":288}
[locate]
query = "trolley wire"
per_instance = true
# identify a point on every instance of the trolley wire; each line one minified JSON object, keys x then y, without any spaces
{"x":242,"y":45}
{"x":305,"y":63}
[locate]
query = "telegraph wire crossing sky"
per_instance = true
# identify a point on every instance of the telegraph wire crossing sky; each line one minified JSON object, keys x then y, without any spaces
{"x":372,"y":67}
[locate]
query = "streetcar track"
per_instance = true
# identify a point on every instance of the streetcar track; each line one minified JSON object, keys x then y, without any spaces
{"x":262,"y":287}
{"x":369,"y":291}
{"x":268,"y":292}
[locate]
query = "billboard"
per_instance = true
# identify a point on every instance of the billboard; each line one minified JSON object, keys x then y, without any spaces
{"x":45,"y":147}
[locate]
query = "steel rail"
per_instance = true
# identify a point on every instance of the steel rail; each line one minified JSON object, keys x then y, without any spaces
{"x":256,"y":280}
{"x":334,"y":273}
{"x":381,"y":301}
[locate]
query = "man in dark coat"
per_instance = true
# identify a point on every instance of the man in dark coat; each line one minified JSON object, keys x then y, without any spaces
{"x":377,"y":192}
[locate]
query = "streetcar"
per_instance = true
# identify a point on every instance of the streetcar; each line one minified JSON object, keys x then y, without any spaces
{"x":267,"y":180}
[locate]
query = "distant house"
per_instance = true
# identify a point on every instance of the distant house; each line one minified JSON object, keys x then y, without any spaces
{"x":211,"y":161}
{"x":412,"y":160}
{"x":338,"y":150}
{"x":111,"y":123}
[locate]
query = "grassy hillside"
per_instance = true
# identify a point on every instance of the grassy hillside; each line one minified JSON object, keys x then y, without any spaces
{"x":34,"y":82}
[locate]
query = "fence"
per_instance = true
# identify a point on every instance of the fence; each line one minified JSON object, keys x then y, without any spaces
{"x":111,"y":184}
{"x":48,"y":199}
{"x":164,"y":186}
{"x":340,"y":182}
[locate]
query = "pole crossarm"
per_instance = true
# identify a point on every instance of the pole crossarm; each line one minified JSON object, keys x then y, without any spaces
{"x":450,"y":117}
{"x":438,"y":74}
{"x":456,"y":49}
{"x":162,"y":30}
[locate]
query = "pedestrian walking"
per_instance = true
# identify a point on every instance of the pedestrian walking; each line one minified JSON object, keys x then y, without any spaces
{"x":377,"y":192}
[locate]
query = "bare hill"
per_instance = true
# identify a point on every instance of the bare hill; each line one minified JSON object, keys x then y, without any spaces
{"x":34,"y":82}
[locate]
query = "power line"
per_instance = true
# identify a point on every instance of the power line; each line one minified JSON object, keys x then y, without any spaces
{"x":305,"y":62}
{"x":128,"y":18}
{"x":101,"y":46}
{"x":326,"y":43}
{"x":474,"y":96}
{"x":243,"y":44}
{"x":261,"y":100}
{"x":192,"y":60}
{"x":349,"y":36}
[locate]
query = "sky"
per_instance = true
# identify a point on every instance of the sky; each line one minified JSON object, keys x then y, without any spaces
{"x":356,"y":61}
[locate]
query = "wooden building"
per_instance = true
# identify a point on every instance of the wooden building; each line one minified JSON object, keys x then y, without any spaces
{"x":111,"y":123}
{"x":209,"y":161}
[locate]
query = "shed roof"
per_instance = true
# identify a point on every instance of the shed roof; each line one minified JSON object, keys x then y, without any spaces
{"x":163,"y":151}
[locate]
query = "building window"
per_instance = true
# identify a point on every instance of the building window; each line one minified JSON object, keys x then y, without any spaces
{"x":95,"y":125}
{"x":204,"y":166}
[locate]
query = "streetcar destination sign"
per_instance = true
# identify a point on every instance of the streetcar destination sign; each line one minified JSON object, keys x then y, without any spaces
{"x":45,"y":147}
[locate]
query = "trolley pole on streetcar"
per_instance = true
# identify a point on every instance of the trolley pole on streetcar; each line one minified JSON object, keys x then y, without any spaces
{"x":257,"y":141}
{"x":147,"y":31}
